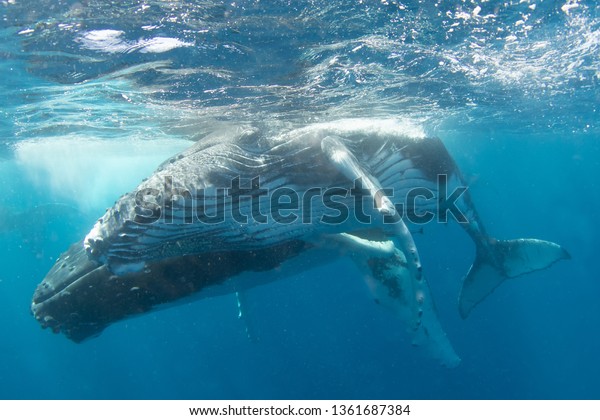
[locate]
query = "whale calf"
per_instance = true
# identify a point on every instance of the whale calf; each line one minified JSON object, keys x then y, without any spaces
{"x":243,"y":206}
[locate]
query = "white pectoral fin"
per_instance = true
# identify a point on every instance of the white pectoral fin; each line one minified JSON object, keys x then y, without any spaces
{"x":395,"y":279}
{"x":366,"y":247}
{"x":394,"y":287}
{"x":430,"y":335}
{"x":347,"y":164}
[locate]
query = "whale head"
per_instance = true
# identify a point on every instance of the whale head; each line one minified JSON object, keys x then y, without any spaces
{"x":59,"y":302}
{"x":80,"y":296}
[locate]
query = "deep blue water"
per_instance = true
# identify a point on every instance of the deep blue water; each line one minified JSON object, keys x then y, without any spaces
{"x":95,"y":94}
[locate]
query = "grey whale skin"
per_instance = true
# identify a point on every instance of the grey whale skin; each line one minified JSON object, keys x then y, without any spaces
{"x":127,"y":266}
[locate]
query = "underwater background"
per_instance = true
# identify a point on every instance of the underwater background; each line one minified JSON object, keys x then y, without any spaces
{"x":95,"y":94}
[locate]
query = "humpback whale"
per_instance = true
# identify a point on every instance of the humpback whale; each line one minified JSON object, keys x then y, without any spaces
{"x":243,"y":207}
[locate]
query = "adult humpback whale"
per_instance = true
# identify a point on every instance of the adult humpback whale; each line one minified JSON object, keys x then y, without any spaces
{"x":240,"y":202}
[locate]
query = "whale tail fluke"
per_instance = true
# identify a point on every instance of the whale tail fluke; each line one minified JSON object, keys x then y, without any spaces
{"x":499,"y":260}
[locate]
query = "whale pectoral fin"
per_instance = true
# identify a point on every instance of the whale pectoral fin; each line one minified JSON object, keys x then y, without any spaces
{"x":395,"y":288}
{"x":395,"y":280}
{"x":500,"y":260}
{"x":345,"y":161}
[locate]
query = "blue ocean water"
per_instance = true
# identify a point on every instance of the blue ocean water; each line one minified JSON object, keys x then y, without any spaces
{"x":94,"y":95}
